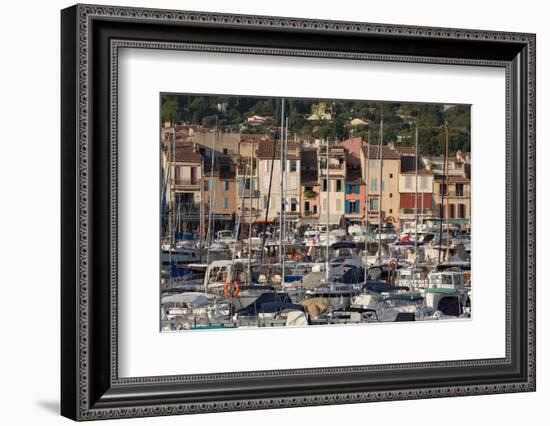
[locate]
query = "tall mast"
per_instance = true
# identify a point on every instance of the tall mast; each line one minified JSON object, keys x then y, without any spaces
{"x":171,"y":181}
{"x":283,"y":217}
{"x":380,"y":198}
{"x":201,"y":205}
{"x":211,"y":197}
{"x":268,"y":200}
{"x":172,"y":191}
{"x":328,"y":216}
{"x":447,"y":191}
{"x":443,"y":190}
{"x":243,"y":197}
{"x":252,"y":175}
{"x":416,"y":195}
{"x":281,"y":182}
{"x":367,"y":170}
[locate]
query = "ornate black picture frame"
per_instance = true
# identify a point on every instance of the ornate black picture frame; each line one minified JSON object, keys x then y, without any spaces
{"x":91,"y":36}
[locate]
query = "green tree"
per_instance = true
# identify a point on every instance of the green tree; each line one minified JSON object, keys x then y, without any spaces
{"x":169,"y":109}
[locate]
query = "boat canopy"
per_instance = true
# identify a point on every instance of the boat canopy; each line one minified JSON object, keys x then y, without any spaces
{"x":191,"y":298}
{"x":445,"y":290}
{"x":268,"y":298}
{"x":406,"y":297}
{"x":270,"y":308}
{"x":342,"y":245}
{"x":382,"y":287}
{"x":353,"y":275}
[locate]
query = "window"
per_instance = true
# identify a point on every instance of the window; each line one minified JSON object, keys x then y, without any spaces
{"x":306,"y":206}
{"x":459,"y":189}
{"x":225,"y":203}
{"x":291,"y":183}
{"x":293,"y":205}
{"x":291,"y":165}
{"x":338,"y":185}
{"x":462,"y":211}
{"x":452,"y":211}
{"x":372,"y":164}
{"x":225,"y":151}
{"x":443,"y":189}
{"x":439,"y":210}
{"x":308,"y":189}
{"x":391,"y":195}
{"x":391,"y":175}
{"x":266,"y":200}
{"x":353,"y":207}
{"x":324,"y":185}
{"x":373,"y":184}
{"x":211,"y":184}
{"x":408,"y":182}
{"x":193,"y":175}
{"x":315,"y":209}
{"x":391,"y":211}
{"x":247,"y":183}
{"x":373,"y":204}
{"x":424,"y":180}
{"x":226,"y":185}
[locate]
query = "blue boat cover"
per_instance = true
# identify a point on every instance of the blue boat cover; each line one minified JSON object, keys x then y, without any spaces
{"x":276,"y":299}
{"x":353,"y":276}
{"x":343,"y":244}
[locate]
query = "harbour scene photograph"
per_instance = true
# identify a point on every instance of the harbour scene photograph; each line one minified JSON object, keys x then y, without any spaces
{"x":291,"y":212}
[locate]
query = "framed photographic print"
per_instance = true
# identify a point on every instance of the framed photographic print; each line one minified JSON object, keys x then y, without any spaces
{"x":263,"y":212}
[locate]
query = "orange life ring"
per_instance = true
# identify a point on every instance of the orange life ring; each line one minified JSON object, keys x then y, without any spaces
{"x":227,"y":290}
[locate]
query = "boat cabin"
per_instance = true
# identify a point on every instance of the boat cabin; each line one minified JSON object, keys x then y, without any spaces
{"x":446,"y":279}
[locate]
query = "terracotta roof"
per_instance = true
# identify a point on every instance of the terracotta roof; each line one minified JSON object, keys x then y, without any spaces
{"x":266,"y":147}
{"x":187,"y":154}
{"x":406,"y":150}
{"x":387,"y":152}
{"x":249,"y":137}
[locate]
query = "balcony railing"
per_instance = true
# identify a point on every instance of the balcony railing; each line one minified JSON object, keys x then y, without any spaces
{"x":187,"y":182}
{"x":247,"y":193}
{"x":333,"y":172}
{"x":455,"y":194}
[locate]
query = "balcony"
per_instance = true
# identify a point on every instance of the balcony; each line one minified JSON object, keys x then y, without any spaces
{"x":454,"y":194}
{"x":333,"y":171}
{"x":247,"y":193}
{"x":187,"y":184}
{"x":310,"y":194}
{"x":309,"y":213}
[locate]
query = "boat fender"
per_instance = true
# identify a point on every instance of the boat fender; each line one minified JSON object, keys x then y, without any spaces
{"x":227,"y":289}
